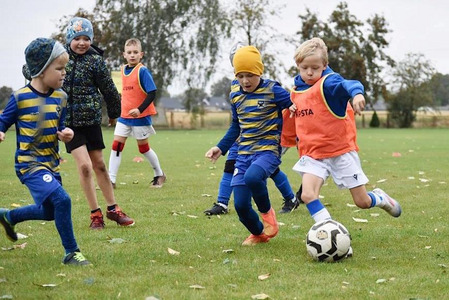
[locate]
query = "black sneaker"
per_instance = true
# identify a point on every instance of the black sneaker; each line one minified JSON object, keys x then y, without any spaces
{"x":10,"y":232}
{"x":289,"y":206}
{"x":76,"y":258}
{"x":217,"y":209}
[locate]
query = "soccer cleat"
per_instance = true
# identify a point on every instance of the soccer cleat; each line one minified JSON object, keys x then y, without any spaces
{"x":9,"y":229}
{"x":76,"y":259}
{"x":256,"y":239}
{"x":289,"y":206}
{"x":96,"y":220}
{"x":113,"y":185}
{"x":270,"y":225}
{"x":388,"y":204}
{"x":158,"y":181}
{"x":120,"y":217}
{"x":217,"y":209}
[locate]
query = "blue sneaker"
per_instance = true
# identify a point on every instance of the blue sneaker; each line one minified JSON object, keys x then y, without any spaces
{"x":10,"y":232}
{"x":76,"y":258}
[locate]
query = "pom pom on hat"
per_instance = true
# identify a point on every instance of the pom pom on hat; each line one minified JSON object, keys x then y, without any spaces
{"x":248,"y":59}
{"x":79,"y":27}
{"x":40,"y":53}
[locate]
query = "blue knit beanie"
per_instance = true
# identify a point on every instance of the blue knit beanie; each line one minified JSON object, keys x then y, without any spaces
{"x":40,"y":53}
{"x":79,"y":27}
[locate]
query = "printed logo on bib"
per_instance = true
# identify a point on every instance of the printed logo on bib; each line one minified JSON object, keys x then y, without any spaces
{"x":47,"y":178}
{"x":236,"y":171}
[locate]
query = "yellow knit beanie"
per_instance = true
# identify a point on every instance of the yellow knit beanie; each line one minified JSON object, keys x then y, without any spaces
{"x":248,"y":59}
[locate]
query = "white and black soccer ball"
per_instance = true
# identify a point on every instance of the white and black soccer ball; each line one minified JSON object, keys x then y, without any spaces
{"x":328,"y":241}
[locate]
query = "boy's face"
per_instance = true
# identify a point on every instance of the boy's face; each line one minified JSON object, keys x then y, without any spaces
{"x":80,"y":44}
{"x":133,"y":54}
{"x":248,"y":81}
{"x":311,"y":68}
{"x":53,"y":76}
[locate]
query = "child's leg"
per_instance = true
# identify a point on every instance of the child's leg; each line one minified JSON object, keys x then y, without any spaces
{"x":256,"y":180}
{"x":225,"y":188}
{"x":103,"y":180}
{"x":311,"y":186}
{"x":283,"y":185}
{"x":115,"y":158}
{"x":63,"y":219}
{"x":151,"y":156}
{"x":84,"y":165}
{"x":247,"y":215}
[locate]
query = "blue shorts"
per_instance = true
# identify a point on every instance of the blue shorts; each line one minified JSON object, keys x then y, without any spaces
{"x":232,"y":152}
{"x":41,"y":184}
{"x":267,"y":160}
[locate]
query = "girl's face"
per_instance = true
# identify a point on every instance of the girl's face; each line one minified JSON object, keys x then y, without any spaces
{"x":248,"y":81}
{"x":311,"y":68}
{"x":80,"y":44}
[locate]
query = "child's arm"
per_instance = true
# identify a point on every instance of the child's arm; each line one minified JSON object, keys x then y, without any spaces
{"x":108,"y":89}
{"x":9,"y":115}
{"x":2,"y":136}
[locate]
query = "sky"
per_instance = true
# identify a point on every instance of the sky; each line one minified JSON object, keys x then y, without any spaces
{"x":417,"y":27}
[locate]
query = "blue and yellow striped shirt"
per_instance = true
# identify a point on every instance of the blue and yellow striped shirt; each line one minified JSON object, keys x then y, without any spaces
{"x":256,"y":118}
{"x":37,"y":117}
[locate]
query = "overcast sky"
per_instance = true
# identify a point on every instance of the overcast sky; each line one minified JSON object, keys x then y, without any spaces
{"x":417,"y":27}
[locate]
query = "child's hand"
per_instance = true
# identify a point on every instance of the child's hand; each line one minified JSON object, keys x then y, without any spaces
{"x":358,"y":104}
{"x":2,"y":136}
{"x":112,"y":122}
{"x":65,"y":135}
{"x":135,"y":112}
{"x":213,"y":154}
{"x":292,"y":110}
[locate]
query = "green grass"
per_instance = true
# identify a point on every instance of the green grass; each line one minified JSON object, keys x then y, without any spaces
{"x":410,"y":253}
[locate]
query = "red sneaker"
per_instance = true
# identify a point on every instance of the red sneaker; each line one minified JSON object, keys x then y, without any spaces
{"x":256,"y":239}
{"x":120,"y":217}
{"x":270,"y":225}
{"x":96,"y":220}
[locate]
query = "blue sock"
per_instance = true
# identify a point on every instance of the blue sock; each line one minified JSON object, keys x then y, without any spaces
{"x":247,"y":215}
{"x":256,"y":180}
{"x":225,"y":189}
{"x":318,"y":211}
{"x":283,"y":185}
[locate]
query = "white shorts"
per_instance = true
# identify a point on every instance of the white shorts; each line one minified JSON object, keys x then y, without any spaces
{"x":138,"y":132}
{"x":345,"y":169}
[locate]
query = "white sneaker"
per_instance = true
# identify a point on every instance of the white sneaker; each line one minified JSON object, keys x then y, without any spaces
{"x":388,"y":204}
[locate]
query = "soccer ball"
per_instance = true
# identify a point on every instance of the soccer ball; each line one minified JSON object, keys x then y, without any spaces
{"x":328,"y":241}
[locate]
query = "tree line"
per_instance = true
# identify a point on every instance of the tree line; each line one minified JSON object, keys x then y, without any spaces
{"x":183,"y":41}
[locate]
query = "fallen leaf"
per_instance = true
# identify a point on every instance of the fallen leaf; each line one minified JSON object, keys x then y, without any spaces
{"x":173,"y":252}
{"x":375,"y":215}
{"x":6,"y":297}
{"x":264,"y":276}
{"x":410,"y":177}
{"x":15,"y":205}
{"x":197,"y":287}
{"x":442,"y":265}
{"x":116,"y":241}
{"x":49,"y":285}
{"x":360,"y":220}
{"x":350,"y":205}
{"x":424,"y":180}
{"x":382,"y":280}
{"x":60,"y":275}
{"x":228,"y":251}
{"x":2,"y":280}
{"x":21,"y":236}
{"x":427,"y":247}
{"x":205,"y":195}
{"x":396,"y":154}
{"x":192,"y":216}
{"x":135,"y":181}
{"x":152,"y":298}
{"x":226,"y":261}
{"x":381,"y":180}
{"x":260,"y":296}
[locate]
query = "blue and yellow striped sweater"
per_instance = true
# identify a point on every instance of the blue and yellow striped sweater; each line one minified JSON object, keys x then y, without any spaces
{"x":37,"y":117}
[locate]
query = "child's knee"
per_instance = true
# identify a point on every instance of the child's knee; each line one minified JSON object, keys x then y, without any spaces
{"x":144,"y":148}
{"x":118,"y":146}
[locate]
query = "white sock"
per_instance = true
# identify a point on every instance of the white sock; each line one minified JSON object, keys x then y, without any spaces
{"x":151,"y":156}
{"x":114,"y":165}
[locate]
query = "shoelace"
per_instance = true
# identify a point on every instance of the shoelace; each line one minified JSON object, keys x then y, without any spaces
{"x":79,"y":257}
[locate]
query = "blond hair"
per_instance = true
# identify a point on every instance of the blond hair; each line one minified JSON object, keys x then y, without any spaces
{"x":314,"y":46}
{"x":134,"y":42}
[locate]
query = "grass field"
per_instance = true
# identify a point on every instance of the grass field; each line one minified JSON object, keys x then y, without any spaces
{"x":403,"y":258}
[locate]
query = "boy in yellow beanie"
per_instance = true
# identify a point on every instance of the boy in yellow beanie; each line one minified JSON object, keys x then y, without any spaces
{"x":256,"y":105}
